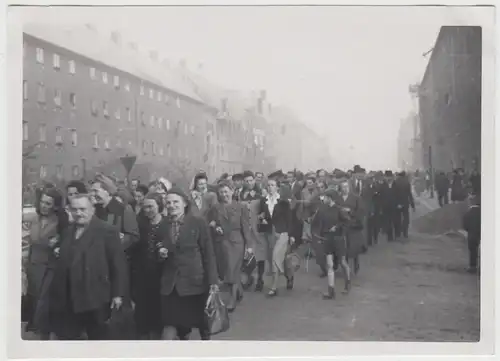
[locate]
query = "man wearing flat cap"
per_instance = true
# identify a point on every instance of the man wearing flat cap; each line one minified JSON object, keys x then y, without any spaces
{"x":237,"y":180}
{"x":116,"y":213}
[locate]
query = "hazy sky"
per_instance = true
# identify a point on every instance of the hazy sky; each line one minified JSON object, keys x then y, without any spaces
{"x":344,"y":70}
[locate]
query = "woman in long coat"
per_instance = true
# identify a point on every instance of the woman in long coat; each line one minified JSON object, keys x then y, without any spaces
{"x":147,"y":268}
{"x":188,"y":272}
{"x":353,"y":206}
{"x":44,"y":235}
{"x":230,"y":221}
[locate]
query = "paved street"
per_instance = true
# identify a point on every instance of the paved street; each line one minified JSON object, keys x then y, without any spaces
{"x":416,"y":291}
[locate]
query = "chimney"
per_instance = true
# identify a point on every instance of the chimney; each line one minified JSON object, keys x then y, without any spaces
{"x":153,"y":54}
{"x":270,"y":108}
{"x":224,"y":105}
{"x":260,"y":105}
{"x":263,"y":94}
{"x":133,"y":46}
{"x":116,"y":37}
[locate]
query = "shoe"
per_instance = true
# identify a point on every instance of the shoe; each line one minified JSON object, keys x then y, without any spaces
{"x":239,"y":296}
{"x":272,"y":293}
{"x":472,"y":270}
{"x":347,"y":287}
{"x":323,"y":274}
{"x":231,"y":305}
{"x":259,"y":286}
{"x":330,"y":295}
{"x":356,"y":267}
{"x":289,"y":283}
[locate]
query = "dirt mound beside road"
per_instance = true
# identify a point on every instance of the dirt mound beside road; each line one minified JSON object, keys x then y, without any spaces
{"x":442,"y":220}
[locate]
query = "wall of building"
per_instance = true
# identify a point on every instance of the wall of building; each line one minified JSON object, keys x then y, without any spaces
{"x":450,"y":100}
{"x":405,"y":143}
{"x":161,"y":130}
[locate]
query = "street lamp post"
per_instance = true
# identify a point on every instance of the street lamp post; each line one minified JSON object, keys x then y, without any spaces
{"x":431,"y":172}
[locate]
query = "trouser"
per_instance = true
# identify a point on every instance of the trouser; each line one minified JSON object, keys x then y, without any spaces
{"x":319,"y":252}
{"x":392,"y":224}
{"x":184,"y":333}
{"x":473,"y":251}
{"x":93,"y":323}
{"x":297,"y":230}
{"x":442,"y":198}
{"x":404,"y":222}
{"x":372,"y":229}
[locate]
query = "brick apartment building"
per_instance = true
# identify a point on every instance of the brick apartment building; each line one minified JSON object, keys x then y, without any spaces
{"x":450,"y":100}
{"x":89,"y":98}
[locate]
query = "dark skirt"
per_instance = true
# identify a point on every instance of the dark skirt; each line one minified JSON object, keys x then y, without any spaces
{"x":183,"y":311}
{"x":355,"y":243}
{"x":147,"y":298}
{"x":39,"y":280}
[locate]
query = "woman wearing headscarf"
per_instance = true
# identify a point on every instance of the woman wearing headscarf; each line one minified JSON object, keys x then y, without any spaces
{"x":201,"y":198}
{"x":275,"y":224}
{"x":188,"y":271}
{"x":44,"y":237}
{"x":147,"y":269}
{"x":230,"y":222}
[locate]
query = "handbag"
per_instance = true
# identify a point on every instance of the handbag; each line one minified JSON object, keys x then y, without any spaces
{"x":216,"y":313}
{"x":247,"y":268}
{"x":292,"y":262}
{"x":121,"y":324}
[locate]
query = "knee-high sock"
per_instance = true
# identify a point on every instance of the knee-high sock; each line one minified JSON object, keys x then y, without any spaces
{"x":261,"y":265}
{"x":331,"y":277}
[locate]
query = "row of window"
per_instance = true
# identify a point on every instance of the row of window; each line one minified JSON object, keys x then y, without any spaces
{"x":153,"y":94}
{"x":94,"y":108}
{"x":42,"y":98}
{"x":75,"y":171}
{"x":56,"y":61}
{"x":156,"y":149}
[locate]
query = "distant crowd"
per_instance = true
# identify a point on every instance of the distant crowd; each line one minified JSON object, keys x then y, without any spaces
{"x":159,"y":250}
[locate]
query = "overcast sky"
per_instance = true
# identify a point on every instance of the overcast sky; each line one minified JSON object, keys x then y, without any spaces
{"x":344,"y":70}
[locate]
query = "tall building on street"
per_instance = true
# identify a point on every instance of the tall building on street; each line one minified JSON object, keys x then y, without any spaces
{"x":90,"y":98}
{"x":450,"y":100}
{"x":295,"y":145}
{"x":405,"y":143}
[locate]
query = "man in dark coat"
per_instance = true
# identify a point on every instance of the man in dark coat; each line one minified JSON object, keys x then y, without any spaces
{"x":388,"y":193}
{"x":372,"y":205}
{"x":237,"y":180}
{"x":404,"y":201}
{"x":90,"y":277}
{"x":296,"y":180}
{"x":109,"y":209}
{"x":442,"y":184}
{"x":472,"y":225}
{"x":475,"y":182}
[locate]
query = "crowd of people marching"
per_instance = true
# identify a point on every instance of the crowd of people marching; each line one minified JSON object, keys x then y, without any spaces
{"x":163,"y":250}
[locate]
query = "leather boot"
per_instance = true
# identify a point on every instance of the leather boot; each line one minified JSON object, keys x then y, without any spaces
{"x":259,"y":286}
{"x":347,"y":287}
{"x":330,"y":295}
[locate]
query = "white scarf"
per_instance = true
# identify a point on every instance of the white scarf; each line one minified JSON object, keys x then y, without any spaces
{"x":272,"y":202}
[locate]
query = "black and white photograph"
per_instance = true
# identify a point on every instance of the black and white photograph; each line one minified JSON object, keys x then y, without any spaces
{"x":251,"y":173}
